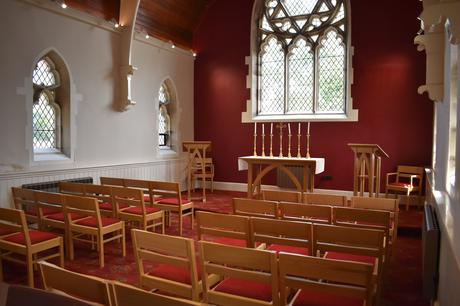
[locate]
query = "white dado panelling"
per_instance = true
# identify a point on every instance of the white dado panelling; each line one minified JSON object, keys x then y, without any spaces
{"x":165,"y":170}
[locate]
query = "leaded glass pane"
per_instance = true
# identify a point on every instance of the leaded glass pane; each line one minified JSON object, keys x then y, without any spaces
{"x":162,"y":129}
{"x":44,"y":124}
{"x":163,"y":96}
{"x":299,"y":7}
{"x":331,"y":70}
{"x":272,"y":78}
{"x":300,"y":81}
{"x":42,"y":74}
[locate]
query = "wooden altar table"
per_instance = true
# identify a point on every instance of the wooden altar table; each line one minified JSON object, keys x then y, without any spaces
{"x":310,"y":167}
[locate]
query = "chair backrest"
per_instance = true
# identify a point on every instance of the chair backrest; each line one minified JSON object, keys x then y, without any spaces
{"x":314,"y":274}
{"x":376,"y":203}
{"x":139,"y":184}
{"x":349,"y":240}
{"x":81,"y":206}
{"x":126,"y":295}
{"x":82,"y":286}
{"x":170,"y":251}
{"x":166,"y":190}
{"x":224,"y":261}
{"x":281,"y":196}
{"x":404,"y":170}
{"x":48,"y":201}
{"x":325,"y":199}
{"x":222,"y":225}
{"x":255,"y":208}
{"x":128,"y":196}
{"x":14,"y":220}
{"x":100,"y":192}
{"x":23,"y":198}
{"x":282,"y":232}
{"x":304,"y":212}
{"x":362,"y":218}
{"x":112,"y":181}
{"x":72,"y":188}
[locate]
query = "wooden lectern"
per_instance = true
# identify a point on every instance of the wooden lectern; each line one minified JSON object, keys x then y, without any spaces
{"x":368,"y":162}
{"x":196,"y":161}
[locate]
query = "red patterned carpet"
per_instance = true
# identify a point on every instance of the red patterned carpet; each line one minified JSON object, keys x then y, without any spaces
{"x":402,"y":284}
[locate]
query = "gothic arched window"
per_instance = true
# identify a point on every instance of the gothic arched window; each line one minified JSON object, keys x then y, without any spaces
{"x":302,"y":57}
{"x":164,"y":124}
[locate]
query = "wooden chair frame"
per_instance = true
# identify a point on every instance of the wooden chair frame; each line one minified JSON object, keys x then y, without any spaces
{"x":325,"y":199}
{"x":303,"y":212}
{"x":222,"y":225}
{"x":141,"y":185}
{"x":24,"y":199}
{"x":72,"y":188}
{"x":208,"y":174}
{"x":103,"y":194}
{"x":281,"y":196}
{"x":89,"y":207}
{"x":241,"y":263}
{"x":255,"y":208}
{"x":81,"y":286}
{"x":408,"y":179}
{"x":348,"y":279}
{"x":171,"y":191}
{"x":171,"y":250}
{"x":112,"y":181}
{"x":16,"y":220}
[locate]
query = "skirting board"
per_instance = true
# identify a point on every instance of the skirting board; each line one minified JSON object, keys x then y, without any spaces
{"x":242,"y":187}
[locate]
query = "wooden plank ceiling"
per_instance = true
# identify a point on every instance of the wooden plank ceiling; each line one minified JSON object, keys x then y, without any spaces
{"x":168,"y":20}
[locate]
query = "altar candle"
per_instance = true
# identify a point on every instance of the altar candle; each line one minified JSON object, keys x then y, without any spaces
{"x":263,"y":130}
{"x":299,"y":129}
{"x":255,"y":128}
{"x":271,"y":128}
{"x":308,"y":129}
{"x":289,"y":128}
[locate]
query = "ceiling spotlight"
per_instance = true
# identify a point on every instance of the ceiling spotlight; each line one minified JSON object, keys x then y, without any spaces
{"x":194,"y":54}
{"x":173,"y":46}
{"x":116,"y":25}
{"x":147,"y":36}
{"x":63,"y":5}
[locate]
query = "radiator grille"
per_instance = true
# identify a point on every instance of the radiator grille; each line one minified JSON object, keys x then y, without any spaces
{"x":430,"y":240}
{"x":283,"y":180}
{"x":53,"y":186}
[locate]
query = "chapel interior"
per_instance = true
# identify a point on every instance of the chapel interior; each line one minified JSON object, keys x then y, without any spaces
{"x":229,"y":152}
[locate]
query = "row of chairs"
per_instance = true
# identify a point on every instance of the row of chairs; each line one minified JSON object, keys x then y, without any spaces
{"x":232,"y":275}
{"x":308,"y":198}
{"x":364,"y":214}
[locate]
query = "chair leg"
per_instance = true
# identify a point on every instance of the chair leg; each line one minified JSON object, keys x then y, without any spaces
{"x":100,"y":243}
{"x":408,"y":200}
{"x":180,"y":223}
{"x":71,"y":246}
{"x":192,"y":217}
{"x":163,"y":223}
{"x":30,"y":270}
{"x":123,"y":241}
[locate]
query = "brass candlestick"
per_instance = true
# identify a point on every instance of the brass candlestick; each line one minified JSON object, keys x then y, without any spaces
{"x":281,"y":127}
{"x":255,"y":139}
{"x":271,"y":144}
{"x":263,"y":141}
{"x":308,"y":140}
{"x":298,"y":142}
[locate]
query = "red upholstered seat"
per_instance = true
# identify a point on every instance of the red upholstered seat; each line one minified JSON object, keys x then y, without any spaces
{"x":146,"y":198}
{"x":35,"y":237}
{"x":106,"y":206}
{"x":60,"y":216}
{"x":311,"y":298}
{"x":138,"y":211}
{"x":351,"y":257}
{"x":174,"y":273}
{"x":229,"y":241}
{"x":33,"y":211}
{"x":92,"y":222}
{"x":173,"y":201}
{"x":288,"y":249}
{"x":6,"y":231}
{"x":249,"y":289}
{"x":403,"y":185}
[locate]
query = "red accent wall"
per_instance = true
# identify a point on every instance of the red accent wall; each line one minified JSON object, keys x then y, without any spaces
{"x":387,"y":71}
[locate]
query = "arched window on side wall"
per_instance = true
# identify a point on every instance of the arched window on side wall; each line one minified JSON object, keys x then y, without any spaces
{"x":303,"y":58}
{"x":164,"y":120}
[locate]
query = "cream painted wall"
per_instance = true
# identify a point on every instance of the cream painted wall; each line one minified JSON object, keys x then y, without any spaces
{"x":102,"y":136}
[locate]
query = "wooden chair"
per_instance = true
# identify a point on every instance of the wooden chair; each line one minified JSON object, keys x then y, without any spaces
{"x":126,"y":295}
{"x":208,"y":174}
{"x":391,"y":205}
{"x":142,"y":185}
{"x":24,"y":199}
{"x":32,"y":244}
{"x":226,"y":229}
{"x":255,"y":208}
{"x":247,"y":276}
{"x":302,"y":212}
{"x":72,"y":188}
{"x":325,"y":199}
{"x":104,"y":197}
{"x":282,"y":236}
{"x":364,"y":218}
{"x":408,"y":180}
{"x":281,"y":196}
{"x":171,"y":200}
{"x":130,"y":207}
{"x":112,"y":181}
{"x":88,"y":288}
{"x":93,"y":225}
{"x":324,"y":282}
{"x":174,"y":267}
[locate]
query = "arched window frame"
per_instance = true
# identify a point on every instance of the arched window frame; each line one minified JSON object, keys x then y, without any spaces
{"x":164,"y":101}
{"x":253,"y":81}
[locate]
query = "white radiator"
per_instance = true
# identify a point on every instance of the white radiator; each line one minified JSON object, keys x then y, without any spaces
{"x":430,"y":253}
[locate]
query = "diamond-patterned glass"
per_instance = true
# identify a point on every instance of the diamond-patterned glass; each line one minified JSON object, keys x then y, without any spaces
{"x":163,"y":95}
{"x":162,"y":129}
{"x":272,"y":78}
{"x":42,"y":74}
{"x":44,"y":124}
{"x":299,"y":7}
{"x":300,"y":83}
{"x":331,"y":70}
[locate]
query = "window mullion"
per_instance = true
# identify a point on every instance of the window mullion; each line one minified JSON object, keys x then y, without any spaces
{"x":315,"y":78}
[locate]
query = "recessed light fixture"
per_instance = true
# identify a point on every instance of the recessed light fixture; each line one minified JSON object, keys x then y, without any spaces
{"x":173,"y":46}
{"x":147,"y":36}
{"x":63,"y":5}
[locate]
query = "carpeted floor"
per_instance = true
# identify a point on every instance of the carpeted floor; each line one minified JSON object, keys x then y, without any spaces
{"x":402,"y":283}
